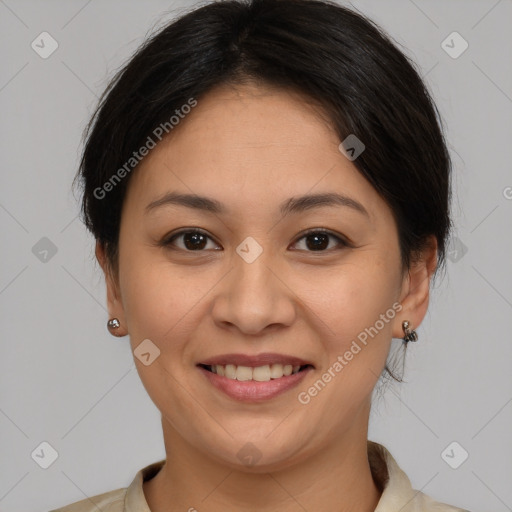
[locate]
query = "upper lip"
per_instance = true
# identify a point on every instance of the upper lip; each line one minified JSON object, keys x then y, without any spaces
{"x":254,"y":361}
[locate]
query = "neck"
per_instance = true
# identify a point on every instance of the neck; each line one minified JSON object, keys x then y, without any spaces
{"x":336,"y":478}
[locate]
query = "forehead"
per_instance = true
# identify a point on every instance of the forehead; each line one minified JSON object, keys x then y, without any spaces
{"x":250,"y":146}
{"x":251,"y":123}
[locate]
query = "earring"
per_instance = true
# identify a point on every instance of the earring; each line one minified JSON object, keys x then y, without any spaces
{"x":410,"y":334}
{"x":113,"y":324}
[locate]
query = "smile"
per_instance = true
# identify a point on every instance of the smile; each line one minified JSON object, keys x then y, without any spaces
{"x":263,"y":373}
{"x":253,"y":379}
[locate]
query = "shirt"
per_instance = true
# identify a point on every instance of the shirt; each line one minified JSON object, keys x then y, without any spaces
{"x":397,"y":492}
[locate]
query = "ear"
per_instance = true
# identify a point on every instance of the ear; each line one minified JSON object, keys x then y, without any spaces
{"x":114,"y":303}
{"x":415,"y":291}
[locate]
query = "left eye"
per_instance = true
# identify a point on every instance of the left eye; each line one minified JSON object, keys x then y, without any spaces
{"x":320,"y":240}
{"x":197,"y":240}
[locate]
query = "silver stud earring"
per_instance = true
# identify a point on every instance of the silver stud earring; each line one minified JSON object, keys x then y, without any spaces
{"x":113,"y":324}
{"x":410,"y":334}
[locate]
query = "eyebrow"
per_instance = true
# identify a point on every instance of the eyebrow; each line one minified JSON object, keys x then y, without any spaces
{"x":292,"y":205}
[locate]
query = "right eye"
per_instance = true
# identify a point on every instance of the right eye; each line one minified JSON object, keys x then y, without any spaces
{"x":194,"y":240}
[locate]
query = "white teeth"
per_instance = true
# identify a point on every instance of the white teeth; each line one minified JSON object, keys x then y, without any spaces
{"x":229,"y":371}
{"x":276,"y":371}
{"x":243,"y":373}
{"x":259,"y":373}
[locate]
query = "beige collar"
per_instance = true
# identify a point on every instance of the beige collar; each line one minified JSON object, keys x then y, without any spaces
{"x":397,"y":492}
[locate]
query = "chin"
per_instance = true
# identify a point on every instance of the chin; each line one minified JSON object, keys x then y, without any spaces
{"x":258,"y":454}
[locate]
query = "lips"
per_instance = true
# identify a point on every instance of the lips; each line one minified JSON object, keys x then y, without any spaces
{"x":254,"y":378}
{"x":258,"y":389}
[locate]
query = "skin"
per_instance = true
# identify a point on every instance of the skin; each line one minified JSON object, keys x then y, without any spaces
{"x":253,"y":147}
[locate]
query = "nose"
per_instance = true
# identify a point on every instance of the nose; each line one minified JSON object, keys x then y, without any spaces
{"x":254,"y":297}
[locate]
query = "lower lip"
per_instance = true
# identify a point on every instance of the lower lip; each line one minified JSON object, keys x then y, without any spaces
{"x":251,"y":390}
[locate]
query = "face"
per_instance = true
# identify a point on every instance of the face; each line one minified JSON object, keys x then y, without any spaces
{"x":266,"y":272}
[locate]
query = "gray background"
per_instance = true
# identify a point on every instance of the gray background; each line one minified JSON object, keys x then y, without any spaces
{"x":66,"y":381}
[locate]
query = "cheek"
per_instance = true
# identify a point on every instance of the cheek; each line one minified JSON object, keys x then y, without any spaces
{"x":157,"y":306}
{"x":355,"y":307}
{"x":354,"y":295}
{"x":165,"y":308}
{"x":157,"y":298}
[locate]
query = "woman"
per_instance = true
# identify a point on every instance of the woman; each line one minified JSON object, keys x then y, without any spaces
{"x":268,"y":185}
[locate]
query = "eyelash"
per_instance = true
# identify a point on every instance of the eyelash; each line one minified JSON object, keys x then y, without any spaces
{"x":168,"y":241}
